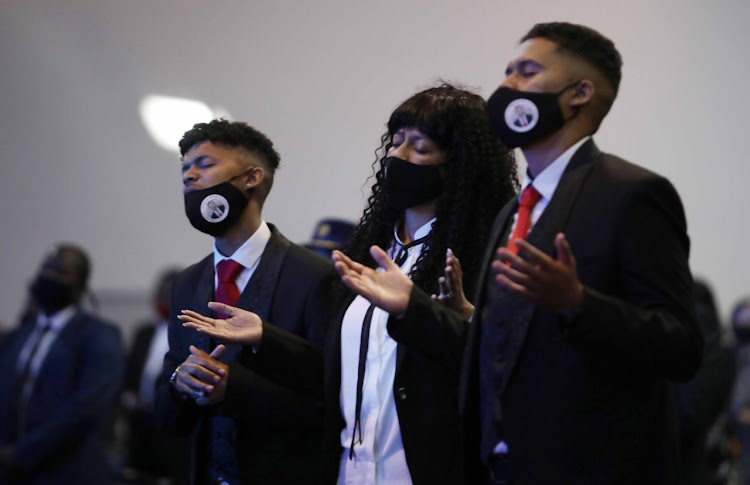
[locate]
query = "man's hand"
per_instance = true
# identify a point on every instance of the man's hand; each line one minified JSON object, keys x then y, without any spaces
{"x":550,"y":283}
{"x":242,"y":327}
{"x":388,"y":290}
{"x":209,"y":362}
{"x":198,"y":375}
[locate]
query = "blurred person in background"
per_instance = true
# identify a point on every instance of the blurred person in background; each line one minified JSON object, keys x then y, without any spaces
{"x":152,"y":454}
{"x":702,"y":401}
{"x":739,"y":408}
{"x":63,"y":369}
{"x":330,"y":234}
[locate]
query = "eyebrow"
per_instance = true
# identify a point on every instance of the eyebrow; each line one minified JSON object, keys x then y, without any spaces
{"x":194,"y":161}
{"x":520,"y":65}
{"x":414,"y":137}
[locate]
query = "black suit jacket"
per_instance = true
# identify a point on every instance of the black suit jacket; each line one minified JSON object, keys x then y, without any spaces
{"x":424,"y":390}
{"x":586,"y":399}
{"x":71,"y":403}
{"x":278,"y":430}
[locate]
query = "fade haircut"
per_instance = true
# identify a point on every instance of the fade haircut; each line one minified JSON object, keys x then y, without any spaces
{"x":233,"y":134}
{"x":586,"y":43}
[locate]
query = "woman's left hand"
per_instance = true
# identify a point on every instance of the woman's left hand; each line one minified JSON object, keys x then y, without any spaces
{"x":452,"y":288}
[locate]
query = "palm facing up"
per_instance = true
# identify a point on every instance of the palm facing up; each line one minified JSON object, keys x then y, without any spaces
{"x":242,"y":326}
{"x":388,"y":290}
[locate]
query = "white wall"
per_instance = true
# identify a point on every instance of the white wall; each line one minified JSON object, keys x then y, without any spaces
{"x":320,"y":78}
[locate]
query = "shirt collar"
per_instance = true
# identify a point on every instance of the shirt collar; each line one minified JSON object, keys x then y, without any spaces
{"x":249,"y":253}
{"x":546,"y":182}
{"x":418,"y":234}
{"x":57,"y":320}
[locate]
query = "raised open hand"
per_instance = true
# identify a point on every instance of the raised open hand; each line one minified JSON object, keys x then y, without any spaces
{"x":389,"y":289}
{"x":452,"y":288}
{"x":550,"y":283}
{"x":242,"y":326}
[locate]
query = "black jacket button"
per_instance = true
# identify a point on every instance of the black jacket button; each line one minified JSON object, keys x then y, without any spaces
{"x":401,"y":393}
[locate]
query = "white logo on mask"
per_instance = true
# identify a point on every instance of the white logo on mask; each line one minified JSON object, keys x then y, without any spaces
{"x":521,"y":115}
{"x":214,"y":208}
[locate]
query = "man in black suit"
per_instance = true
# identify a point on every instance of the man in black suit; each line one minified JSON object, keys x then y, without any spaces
{"x":62,"y":370}
{"x":578,"y":330}
{"x":244,"y":428}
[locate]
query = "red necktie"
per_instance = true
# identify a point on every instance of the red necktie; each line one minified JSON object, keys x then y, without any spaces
{"x":529,"y":198}
{"x":227,"y":292}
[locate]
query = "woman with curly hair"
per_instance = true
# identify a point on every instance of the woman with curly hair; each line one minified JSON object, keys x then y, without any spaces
{"x":391,"y":410}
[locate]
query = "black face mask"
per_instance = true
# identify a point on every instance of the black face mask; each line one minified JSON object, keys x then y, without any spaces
{"x":51,"y":294}
{"x":215,"y":209}
{"x":408,"y":184}
{"x":519,"y":118}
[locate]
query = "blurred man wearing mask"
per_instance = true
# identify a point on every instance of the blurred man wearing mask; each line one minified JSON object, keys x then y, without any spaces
{"x":62,"y":371}
{"x":152,"y":453}
{"x":739,"y":409}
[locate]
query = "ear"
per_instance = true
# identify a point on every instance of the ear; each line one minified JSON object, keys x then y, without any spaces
{"x":583,"y":93}
{"x":255,"y":177}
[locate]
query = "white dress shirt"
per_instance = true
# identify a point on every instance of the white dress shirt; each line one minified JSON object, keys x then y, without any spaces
{"x":248,"y":255}
{"x":546,"y":182}
{"x":55,"y":323}
{"x":153,"y":364}
{"x":380,"y":458}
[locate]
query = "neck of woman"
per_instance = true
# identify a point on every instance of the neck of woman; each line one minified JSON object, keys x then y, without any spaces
{"x":414,"y":218}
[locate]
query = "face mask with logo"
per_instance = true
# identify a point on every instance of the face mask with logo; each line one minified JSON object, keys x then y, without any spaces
{"x":519,"y":118}
{"x":408,"y":184}
{"x":51,"y":294}
{"x":214,"y":210}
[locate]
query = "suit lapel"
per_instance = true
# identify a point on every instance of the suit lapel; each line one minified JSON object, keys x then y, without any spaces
{"x":498,"y":228}
{"x":204,"y":292}
{"x":259,"y":292}
{"x":64,"y":345}
{"x":470,"y":358}
{"x":542,"y":236}
{"x":332,"y":354}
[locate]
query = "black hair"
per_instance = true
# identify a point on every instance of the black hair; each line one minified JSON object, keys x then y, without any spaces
{"x":233,"y":134}
{"x":81,"y":261}
{"x":480,"y":176}
{"x":586,"y":43}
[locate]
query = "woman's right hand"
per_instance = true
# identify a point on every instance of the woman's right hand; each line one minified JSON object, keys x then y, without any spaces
{"x":452,"y":288}
{"x":242,"y":326}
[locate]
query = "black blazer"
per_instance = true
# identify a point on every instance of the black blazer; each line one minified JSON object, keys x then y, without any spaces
{"x":424,"y":390}
{"x":71,"y":404}
{"x":586,"y":399}
{"x":278,"y":430}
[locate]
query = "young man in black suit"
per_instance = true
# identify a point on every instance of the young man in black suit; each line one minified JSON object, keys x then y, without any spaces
{"x":578,"y":331}
{"x":62,"y":370}
{"x":244,"y":428}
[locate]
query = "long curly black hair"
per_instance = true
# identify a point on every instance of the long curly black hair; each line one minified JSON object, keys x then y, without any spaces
{"x":480,"y":176}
